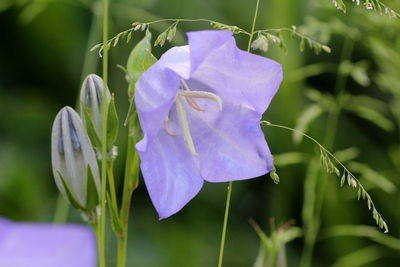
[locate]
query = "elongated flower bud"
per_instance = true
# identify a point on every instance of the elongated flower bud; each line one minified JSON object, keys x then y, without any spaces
{"x":91,"y":101}
{"x":74,"y":163}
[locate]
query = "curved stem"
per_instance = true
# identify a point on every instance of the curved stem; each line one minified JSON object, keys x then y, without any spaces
{"x":223,"y":235}
{"x":371,"y":204}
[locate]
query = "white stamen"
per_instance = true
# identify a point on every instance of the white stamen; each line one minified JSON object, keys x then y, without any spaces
{"x":185,"y":125}
{"x":166,"y":126}
{"x":202,"y":94}
{"x":184,"y":85}
{"x":193,"y":104}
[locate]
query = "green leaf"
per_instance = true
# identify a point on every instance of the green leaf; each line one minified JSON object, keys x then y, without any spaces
{"x":347,"y":154}
{"x":90,"y":129}
{"x":360,"y":257}
{"x":368,"y":232}
{"x":112,"y":123}
{"x":290,"y":158}
{"x":92,"y":194}
{"x":115,"y":221}
{"x":311,"y":113}
{"x":139,"y":60}
{"x":371,"y":115}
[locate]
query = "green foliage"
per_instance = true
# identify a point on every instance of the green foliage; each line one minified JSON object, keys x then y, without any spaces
{"x":326,"y":158}
{"x":360,"y":258}
{"x":308,"y":115}
{"x":368,"y":232}
{"x":264,"y":37}
{"x":272,"y":250}
{"x":374,"y":5}
{"x":112,"y":124}
{"x":277,"y":37}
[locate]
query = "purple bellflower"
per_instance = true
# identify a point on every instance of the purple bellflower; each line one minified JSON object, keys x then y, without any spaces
{"x":46,"y":245}
{"x":200,"y":108}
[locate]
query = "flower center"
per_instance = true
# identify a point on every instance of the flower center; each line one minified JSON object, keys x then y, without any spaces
{"x":185,"y":94}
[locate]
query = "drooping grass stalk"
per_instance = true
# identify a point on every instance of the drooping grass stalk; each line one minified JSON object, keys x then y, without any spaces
{"x":331,"y":130}
{"x":130,"y":183}
{"x":104,"y":111}
{"x":228,"y":196}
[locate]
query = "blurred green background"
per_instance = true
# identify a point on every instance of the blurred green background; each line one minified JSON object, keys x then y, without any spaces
{"x":349,"y":98}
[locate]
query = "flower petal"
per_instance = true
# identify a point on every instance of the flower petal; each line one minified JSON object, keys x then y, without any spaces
{"x":156,"y":89}
{"x":238,"y":76}
{"x":230,"y":143}
{"x":170,"y":173}
{"x":46,"y":245}
{"x":204,"y":43}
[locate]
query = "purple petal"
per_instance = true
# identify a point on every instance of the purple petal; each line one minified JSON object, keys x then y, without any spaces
{"x":157,"y":88}
{"x":235,"y":75}
{"x":46,"y":245}
{"x":204,"y":43}
{"x":170,"y":173}
{"x":230,"y":143}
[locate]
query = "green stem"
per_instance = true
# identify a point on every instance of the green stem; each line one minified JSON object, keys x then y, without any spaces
{"x":228,"y":197}
{"x":121,"y":254}
{"x":62,"y":210}
{"x":130,"y":184}
{"x":223,"y":235}
{"x":104,"y":111}
{"x":111,"y":184}
{"x":253,"y":26}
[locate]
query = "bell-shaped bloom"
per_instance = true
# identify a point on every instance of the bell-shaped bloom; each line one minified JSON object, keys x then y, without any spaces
{"x":74,"y":162}
{"x":46,"y":245}
{"x":200,"y":107}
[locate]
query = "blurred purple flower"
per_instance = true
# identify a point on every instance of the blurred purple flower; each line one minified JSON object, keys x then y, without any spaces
{"x":200,"y":108}
{"x":46,"y":245}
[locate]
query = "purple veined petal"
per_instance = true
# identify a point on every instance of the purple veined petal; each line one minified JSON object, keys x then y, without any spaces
{"x":46,"y":245}
{"x":235,"y":75}
{"x":170,"y":172}
{"x":230,"y":143}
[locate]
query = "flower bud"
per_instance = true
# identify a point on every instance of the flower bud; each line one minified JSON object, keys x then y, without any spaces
{"x":74,"y":163}
{"x":91,"y":101}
